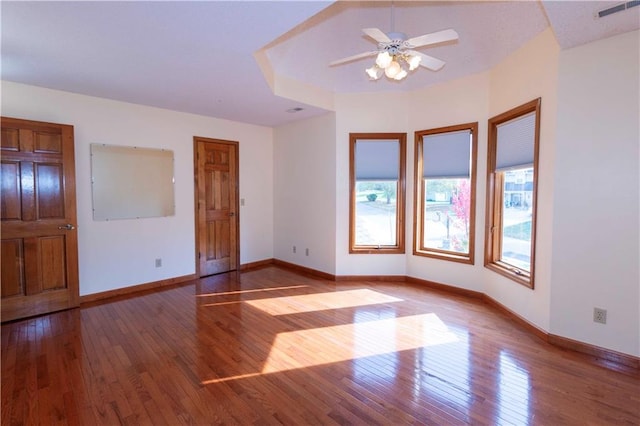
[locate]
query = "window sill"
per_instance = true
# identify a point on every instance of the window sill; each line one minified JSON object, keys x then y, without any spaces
{"x":376,"y":250}
{"x":446,"y":255}
{"x":512,"y":273}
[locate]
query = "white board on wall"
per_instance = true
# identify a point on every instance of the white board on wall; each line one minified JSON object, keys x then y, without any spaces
{"x":131,"y":182}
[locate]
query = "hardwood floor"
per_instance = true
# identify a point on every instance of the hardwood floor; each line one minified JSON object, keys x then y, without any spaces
{"x":271,"y":346}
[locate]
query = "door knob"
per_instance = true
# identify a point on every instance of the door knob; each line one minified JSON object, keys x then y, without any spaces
{"x":67,"y":227}
{"x":232,"y":214}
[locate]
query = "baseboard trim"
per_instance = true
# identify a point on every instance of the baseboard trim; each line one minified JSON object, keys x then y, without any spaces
{"x":445,"y":287}
{"x":392,"y":278}
{"x":530,"y":327}
{"x":256,"y":265}
{"x":304,"y":270}
{"x":125,"y":291}
{"x":595,"y":351}
{"x":566,"y":343}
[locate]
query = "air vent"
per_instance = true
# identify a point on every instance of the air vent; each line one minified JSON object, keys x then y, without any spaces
{"x":618,"y":8}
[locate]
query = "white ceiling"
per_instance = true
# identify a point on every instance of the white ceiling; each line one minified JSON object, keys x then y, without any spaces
{"x":200,"y":57}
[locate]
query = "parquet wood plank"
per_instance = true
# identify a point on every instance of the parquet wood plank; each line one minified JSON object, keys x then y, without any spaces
{"x":272,"y":347}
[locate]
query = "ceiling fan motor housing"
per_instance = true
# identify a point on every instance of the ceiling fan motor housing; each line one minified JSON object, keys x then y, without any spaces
{"x":396,"y":44}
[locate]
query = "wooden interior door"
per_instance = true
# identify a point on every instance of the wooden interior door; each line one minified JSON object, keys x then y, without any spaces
{"x":39,"y":249}
{"x":216,"y":190}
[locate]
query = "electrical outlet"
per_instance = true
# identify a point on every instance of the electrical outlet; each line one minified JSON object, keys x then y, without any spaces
{"x":158,"y":263}
{"x":306,"y":252}
{"x":600,"y":315}
{"x":241,"y":202}
{"x":294,"y":249}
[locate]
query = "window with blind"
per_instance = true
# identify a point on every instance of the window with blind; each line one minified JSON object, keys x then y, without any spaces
{"x":377,"y":190}
{"x":445,"y":167}
{"x":511,"y":192}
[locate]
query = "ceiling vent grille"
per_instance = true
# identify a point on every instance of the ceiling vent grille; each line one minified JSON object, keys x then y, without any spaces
{"x":618,"y":8}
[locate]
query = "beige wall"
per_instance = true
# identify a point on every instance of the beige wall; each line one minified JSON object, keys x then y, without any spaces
{"x":529,"y":73}
{"x":596,"y":208}
{"x":304,"y":192}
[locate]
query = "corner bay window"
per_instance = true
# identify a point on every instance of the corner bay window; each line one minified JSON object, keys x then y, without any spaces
{"x":377,"y":192}
{"x":445,"y":162}
{"x":511,"y":192}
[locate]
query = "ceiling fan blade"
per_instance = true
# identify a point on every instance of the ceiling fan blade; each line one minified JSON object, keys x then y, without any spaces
{"x":377,"y":35}
{"x":353,"y":58}
{"x":433,"y":38}
{"x":427,"y":61}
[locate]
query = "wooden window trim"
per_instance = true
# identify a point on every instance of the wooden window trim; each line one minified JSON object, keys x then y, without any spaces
{"x":419,"y":195}
{"x":493,"y":241}
{"x":399,"y":248}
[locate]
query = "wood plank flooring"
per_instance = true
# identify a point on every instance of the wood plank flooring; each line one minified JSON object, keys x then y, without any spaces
{"x":271,"y":347}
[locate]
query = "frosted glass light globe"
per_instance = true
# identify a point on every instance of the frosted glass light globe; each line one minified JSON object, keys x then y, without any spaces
{"x":383,"y":60}
{"x":402,"y":74}
{"x":414,"y":61}
{"x":374,"y":72}
{"x":392,"y":69}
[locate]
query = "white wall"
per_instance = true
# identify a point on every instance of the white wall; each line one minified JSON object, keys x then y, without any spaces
{"x":121,"y":253}
{"x":529,"y":73}
{"x":364,"y":113}
{"x":596,"y":233}
{"x":304,"y":192}
{"x":465,"y":100}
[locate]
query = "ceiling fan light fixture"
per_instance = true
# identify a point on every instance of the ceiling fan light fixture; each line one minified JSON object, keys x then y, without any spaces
{"x":414,"y":62}
{"x":384,"y":59}
{"x":402,"y":74}
{"x":393,"y":69}
{"x":374,"y":72}
{"x":395,"y":55}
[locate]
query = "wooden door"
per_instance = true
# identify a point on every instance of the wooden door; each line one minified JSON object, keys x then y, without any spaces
{"x":39,"y":251}
{"x":216,"y":190}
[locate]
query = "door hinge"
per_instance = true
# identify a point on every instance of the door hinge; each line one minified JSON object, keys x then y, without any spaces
{"x":199,"y":255}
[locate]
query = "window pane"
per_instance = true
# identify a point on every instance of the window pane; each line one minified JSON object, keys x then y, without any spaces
{"x":376,"y":212}
{"x":447,"y":214}
{"x":516,"y":218}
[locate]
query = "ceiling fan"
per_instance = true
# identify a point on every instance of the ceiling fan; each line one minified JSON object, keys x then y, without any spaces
{"x":396,"y":54}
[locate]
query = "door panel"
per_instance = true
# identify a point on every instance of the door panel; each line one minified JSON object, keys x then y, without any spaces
{"x":47,"y":143}
{"x":12,"y":271}
{"x":52,"y":262}
{"x":50,"y":194}
{"x":216,"y":200}
{"x":39,"y":253}
{"x":10,"y":207}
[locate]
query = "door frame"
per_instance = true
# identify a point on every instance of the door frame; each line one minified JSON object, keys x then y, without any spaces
{"x":196,"y":185}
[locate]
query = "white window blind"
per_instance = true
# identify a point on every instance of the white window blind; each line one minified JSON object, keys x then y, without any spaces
{"x":377,"y":159}
{"x":515,"y":143}
{"x":446,"y":155}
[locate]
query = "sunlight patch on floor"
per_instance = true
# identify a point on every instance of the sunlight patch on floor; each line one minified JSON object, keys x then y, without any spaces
{"x":350,"y":342}
{"x":321,"y":301}
{"x":307,"y":348}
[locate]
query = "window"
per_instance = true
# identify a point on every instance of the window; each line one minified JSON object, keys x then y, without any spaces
{"x":512,"y":171}
{"x":377,"y":179}
{"x":445,"y":166}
